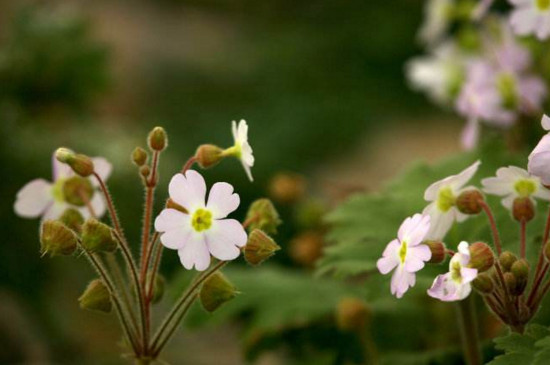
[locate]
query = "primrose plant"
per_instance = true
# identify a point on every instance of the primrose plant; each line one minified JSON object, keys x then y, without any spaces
{"x":193,"y":223}
{"x":511,"y":286}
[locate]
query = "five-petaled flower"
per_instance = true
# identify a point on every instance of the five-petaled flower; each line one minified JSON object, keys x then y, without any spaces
{"x":513,"y":182}
{"x":202,"y":231}
{"x":406,"y":254}
{"x":442,"y":195}
{"x":456,"y":284}
{"x":41,"y":198}
{"x":241,"y":148}
{"x":539,"y":159}
{"x":531,"y":17}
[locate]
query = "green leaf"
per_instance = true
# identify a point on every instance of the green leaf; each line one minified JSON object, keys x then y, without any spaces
{"x":530,"y":348}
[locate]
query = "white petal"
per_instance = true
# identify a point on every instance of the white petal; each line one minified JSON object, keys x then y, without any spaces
{"x":508,"y":202}
{"x":60,"y":170}
{"x":247,"y":171}
{"x":224,"y":238}
{"x":189,"y":191}
{"x":98,"y":204}
{"x":470,"y":134}
{"x":538,"y":166}
{"x":440,"y":223}
{"x":523,"y":20}
{"x":234,"y":131}
{"x":33,"y":199}
{"x":545,"y":122}
{"x":195,"y":253}
{"x":242,"y":133}
{"x":176,"y":238}
{"x":461,"y":179}
{"x":103,"y":168}
{"x":222,"y":200}
{"x":543,"y":27}
{"x":170,"y":219}
{"x":55,"y":210}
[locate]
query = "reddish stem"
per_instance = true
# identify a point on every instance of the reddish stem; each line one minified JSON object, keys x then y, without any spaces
{"x":523,"y":231}
{"x":492,"y":222}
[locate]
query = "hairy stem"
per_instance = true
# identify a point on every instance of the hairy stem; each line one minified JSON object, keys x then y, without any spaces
{"x":492,"y":222}
{"x":523,"y":231}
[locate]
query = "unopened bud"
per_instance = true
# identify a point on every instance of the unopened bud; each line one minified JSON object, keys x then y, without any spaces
{"x":78,"y":191}
{"x":512,"y":284}
{"x":520,"y":269}
{"x":96,"y":297}
{"x":72,"y":219}
{"x":139,"y":156}
{"x":506,"y":260}
{"x":173,"y":205}
{"x":145,"y":171}
{"x":57,"y":239}
{"x":437,"y":249}
{"x":216,"y":291}
{"x":97,"y":237}
{"x":157,"y":139}
{"x":263,"y":215}
{"x":306,"y":248}
{"x":469,"y":201}
{"x":483,"y":284}
{"x":158,"y":287}
{"x":352,"y":314}
{"x":208,"y":155}
{"x":81,"y":164}
{"x":482,"y":257}
{"x":287,"y":187}
{"x":523,"y":209}
{"x":259,"y":247}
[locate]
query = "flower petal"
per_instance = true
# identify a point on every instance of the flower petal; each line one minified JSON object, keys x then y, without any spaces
{"x":55,"y":210}
{"x":103,"y":168}
{"x":222,"y":200}
{"x":170,"y":219}
{"x":195,"y":253}
{"x":176,"y":238}
{"x":188,"y":190}
{"x":545,"y":122}
{"x":523,"y":20}
{"x":60,"y":170}
{"x":33,"y":199}
{"x":224,"y":239}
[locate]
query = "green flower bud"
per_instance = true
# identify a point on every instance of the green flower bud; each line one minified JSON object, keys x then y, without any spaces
{"x":259,"y":247}
{"x":352,"y":314}
{"x":523,"y":209}
{"x":72,"y":219}
{"x":96,"y":297}
{"x":57,"y":239}
{"x":81,"y":164}
{"x":482,"y":257}
{"x":438,"y":251}
{"x":520,"y":269}
{"x":216,"y":291}
{"x":139,"y":156}
{"x":77,"y":191}
{"x":158,"y":287}
{"x":469,"y":202}
{"x":263,"y":215}
{"x":208,"y":155}
{"x":512,"y":284}
{"x":483,"y":284}
{"x":506,"y":260}
{"x":157,"y":139}
{"x":98,"y":237}
{"x":145,"y":171}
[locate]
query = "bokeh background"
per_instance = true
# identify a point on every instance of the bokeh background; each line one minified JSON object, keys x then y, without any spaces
{"x":320,"y":82}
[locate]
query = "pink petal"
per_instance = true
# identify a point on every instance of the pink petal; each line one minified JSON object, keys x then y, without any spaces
{"x":195,"y":253}
{"x":33,"y":199}
{"x":386,"y":264}
{"x":222,"y":200}
{"x":468,"y":274}
{"x":470,"y":134}
{"x":538,"y":166}
{"x":60,"y":170}
{"x":421,"y":252}
{"x":189,"y":191}
{"x":103,"y":168}
{"x":545,"y":122}
{"x":523,"y":20}
{"x":170,"y":219}
{"x":400,"y":282}
{"x":55,"y":210}
{"x":98,"y":204}
{"x":224,"y":239}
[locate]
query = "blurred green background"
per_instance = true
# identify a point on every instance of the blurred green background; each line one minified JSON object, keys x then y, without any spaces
{"x":320,"y":83}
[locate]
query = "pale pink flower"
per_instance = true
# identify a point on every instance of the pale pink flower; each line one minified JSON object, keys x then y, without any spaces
{"x":456,"y":284}
{"x":531,"y":17}
{"x":41,"y":198}
{"x":406,"y":254}
{"x":241,"y":148}
{"x":539,"y":159}
{"x":202,"y":231}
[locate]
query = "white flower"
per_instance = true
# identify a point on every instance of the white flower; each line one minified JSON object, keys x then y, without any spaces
{"x":41,"y":198}
{"x":437,"y":15}
{"x":513,"y":182}
{"x":241,"y":148}
{"x":406,"y":254}
{"x":456,"y":284}
{"x":202,"y":231}
{"x":539,"y":159}
{"x":531,"y":17}
{"x":442,"y":195}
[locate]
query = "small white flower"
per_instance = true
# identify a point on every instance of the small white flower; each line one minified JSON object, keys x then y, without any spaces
{"x":531,"y":17}
{"x":241,"y":148}
{"x":202,"y":231}
{"x":513,"y":182}
{"x":442,"y":195}
{"x":456,"y":284}
{"x":539,"y":159}
{"x":406,"y":254}
{"x":41,"y":198}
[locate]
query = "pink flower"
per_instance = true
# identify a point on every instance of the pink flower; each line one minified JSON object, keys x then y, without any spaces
{"x":531,"y":17}
{"x":41,"y":198}
{"x":202,"y":231}
{"x":456,"y":284}
{"x":406,"y":254}
{"x":539,"y":159}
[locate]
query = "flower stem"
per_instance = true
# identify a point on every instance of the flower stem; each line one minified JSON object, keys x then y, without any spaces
{"x":188,"y":164}
{"x":469,"y":331}
{"x":149,"y":199}
{"x":494,"y":229}
{"x":523,"y":230}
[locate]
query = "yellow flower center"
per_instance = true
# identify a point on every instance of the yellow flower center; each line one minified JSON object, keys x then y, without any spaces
{"x":542,"y":5}
{"x":445,"y":199}
{"x":455,"y":272}
{"x":57,"y":190}
{"x":403,"y":252}
{"x":525,"y":187}
{"x":506,"y":85}
{"x":202,"y":220}
{"x":235,"y":151}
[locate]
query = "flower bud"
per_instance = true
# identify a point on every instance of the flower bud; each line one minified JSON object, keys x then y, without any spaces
{"x":97,"y":237}
{"x":208,"y":155}
{"x":512,"y":284}
{"x":481,"y":257}
{"x":287,"y":188}
{"x":72,"y":219}
{"x":157,"y":139}
{"x":173,"y":205}
{"x":145,"y":171}
{"x":139,"y":156}
{"x":506,"y":260}
{"x":259,"y":247}
{"x":523,"y":209}
{"x":263,"y":215}
{"x":96,"y":297}
{"x":438,"y":251}
{"x":306,"y":248}
{"x":483,"y":284}
{"x":520,"y":269}
{"x":352,"y":314}
{"x":81,"y":164}
{"x":158,"y":287}
{"x":469,"y":201}
{"x":57,"y":239}
{"x":77,"y":191}
{"x":216,"y":291}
